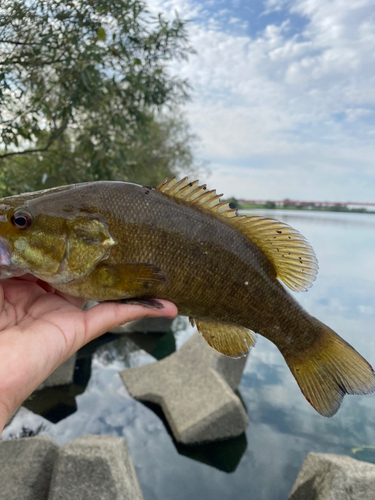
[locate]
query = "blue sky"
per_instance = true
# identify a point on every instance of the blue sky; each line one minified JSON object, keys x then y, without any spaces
{"x":248,"y":17}
{"x":284,"y":95}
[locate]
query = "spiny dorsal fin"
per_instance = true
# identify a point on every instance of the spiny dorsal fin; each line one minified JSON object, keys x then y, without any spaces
{"x":193,"y":194}
{"x":291,"y":255}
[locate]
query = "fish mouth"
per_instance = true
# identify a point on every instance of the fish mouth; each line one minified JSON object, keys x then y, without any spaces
{"x":5,"y":255}
{"x":6,"y":270}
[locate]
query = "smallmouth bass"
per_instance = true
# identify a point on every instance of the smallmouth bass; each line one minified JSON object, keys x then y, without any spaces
{"x":121,"y":241}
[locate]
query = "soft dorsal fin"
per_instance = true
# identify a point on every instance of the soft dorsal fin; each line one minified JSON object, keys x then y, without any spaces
{"x":291,"y":255}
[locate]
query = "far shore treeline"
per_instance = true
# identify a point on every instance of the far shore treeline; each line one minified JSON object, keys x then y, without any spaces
{"x":86,"y":94}
{"x":290,"y":205}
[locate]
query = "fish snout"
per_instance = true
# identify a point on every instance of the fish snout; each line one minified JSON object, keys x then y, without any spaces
{"x":5,"y":255}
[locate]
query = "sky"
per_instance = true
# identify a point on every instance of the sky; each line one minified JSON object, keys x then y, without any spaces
{"x":283,"y":96}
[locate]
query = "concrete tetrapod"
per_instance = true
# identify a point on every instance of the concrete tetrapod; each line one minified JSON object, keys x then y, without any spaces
{"x":334,"y":477}
{"x":95,"y":467}
{"x":194,"y":387}
{"x":63,"y":375}
{"x":26,"y":468}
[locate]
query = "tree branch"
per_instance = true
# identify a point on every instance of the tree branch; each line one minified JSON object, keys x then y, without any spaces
{"x":27,"y":151}
{"x":14,"y":42}
{"x":54,"y":135}
{"x":32,"y":62}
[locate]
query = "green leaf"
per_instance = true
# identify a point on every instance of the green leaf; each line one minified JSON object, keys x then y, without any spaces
{"x":101,"y":34}
{"x":87,"y":101}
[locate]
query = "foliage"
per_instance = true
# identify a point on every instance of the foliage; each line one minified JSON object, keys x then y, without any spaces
{"x":233,"y":202}
{"x":163,"y":149}
{"x":166,"y":149}
{"x":27,"y":432}
{"x":79,"y":84}
{"x":270,"y":204}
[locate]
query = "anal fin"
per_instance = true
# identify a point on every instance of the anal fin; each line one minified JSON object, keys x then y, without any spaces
{"x":232,"y":340}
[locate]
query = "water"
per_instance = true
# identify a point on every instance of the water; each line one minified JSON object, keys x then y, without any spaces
{"x":283,"y":428}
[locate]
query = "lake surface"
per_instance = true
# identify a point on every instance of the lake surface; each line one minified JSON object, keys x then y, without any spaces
{"x":263,"y":464}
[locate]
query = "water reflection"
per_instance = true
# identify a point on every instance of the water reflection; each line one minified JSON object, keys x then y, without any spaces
{"x":223,"y":455}
{"x":57,"y":403}
{"x":158,"y":345}
{"x":322,"y":218}
{"x":365,"y":453}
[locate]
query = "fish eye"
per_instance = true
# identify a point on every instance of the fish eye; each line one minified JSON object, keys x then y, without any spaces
{"x":21,"y":220}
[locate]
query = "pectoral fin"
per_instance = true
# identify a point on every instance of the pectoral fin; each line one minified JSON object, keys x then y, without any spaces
{"x":136,"y":277}
{"x":145,"y":302}
{"x":232,"y":340}
{"x":108,"y":282}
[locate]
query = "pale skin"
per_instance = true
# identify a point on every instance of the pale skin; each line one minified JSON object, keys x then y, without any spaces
{"x":40,"y":328}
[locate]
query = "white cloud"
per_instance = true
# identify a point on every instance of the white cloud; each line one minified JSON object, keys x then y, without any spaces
{"x":299,"y":106}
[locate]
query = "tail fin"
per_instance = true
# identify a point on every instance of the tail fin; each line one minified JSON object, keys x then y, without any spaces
{"x":330,"y":369}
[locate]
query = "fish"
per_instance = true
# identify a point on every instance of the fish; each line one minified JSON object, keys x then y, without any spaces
{"x":229,"y":273}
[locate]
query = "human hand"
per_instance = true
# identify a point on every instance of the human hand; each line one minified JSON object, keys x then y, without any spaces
{"x":40,"y":328}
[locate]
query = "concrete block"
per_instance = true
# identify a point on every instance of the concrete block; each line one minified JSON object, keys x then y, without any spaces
{"x":194,"y":387}
{"x":94,"y":468}
{"x":334,"y":477}
{"x":26,"y":468}
{"x":63,"y":375}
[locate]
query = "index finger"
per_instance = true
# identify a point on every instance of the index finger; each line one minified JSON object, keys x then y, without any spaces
{"x":108,"y":315}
